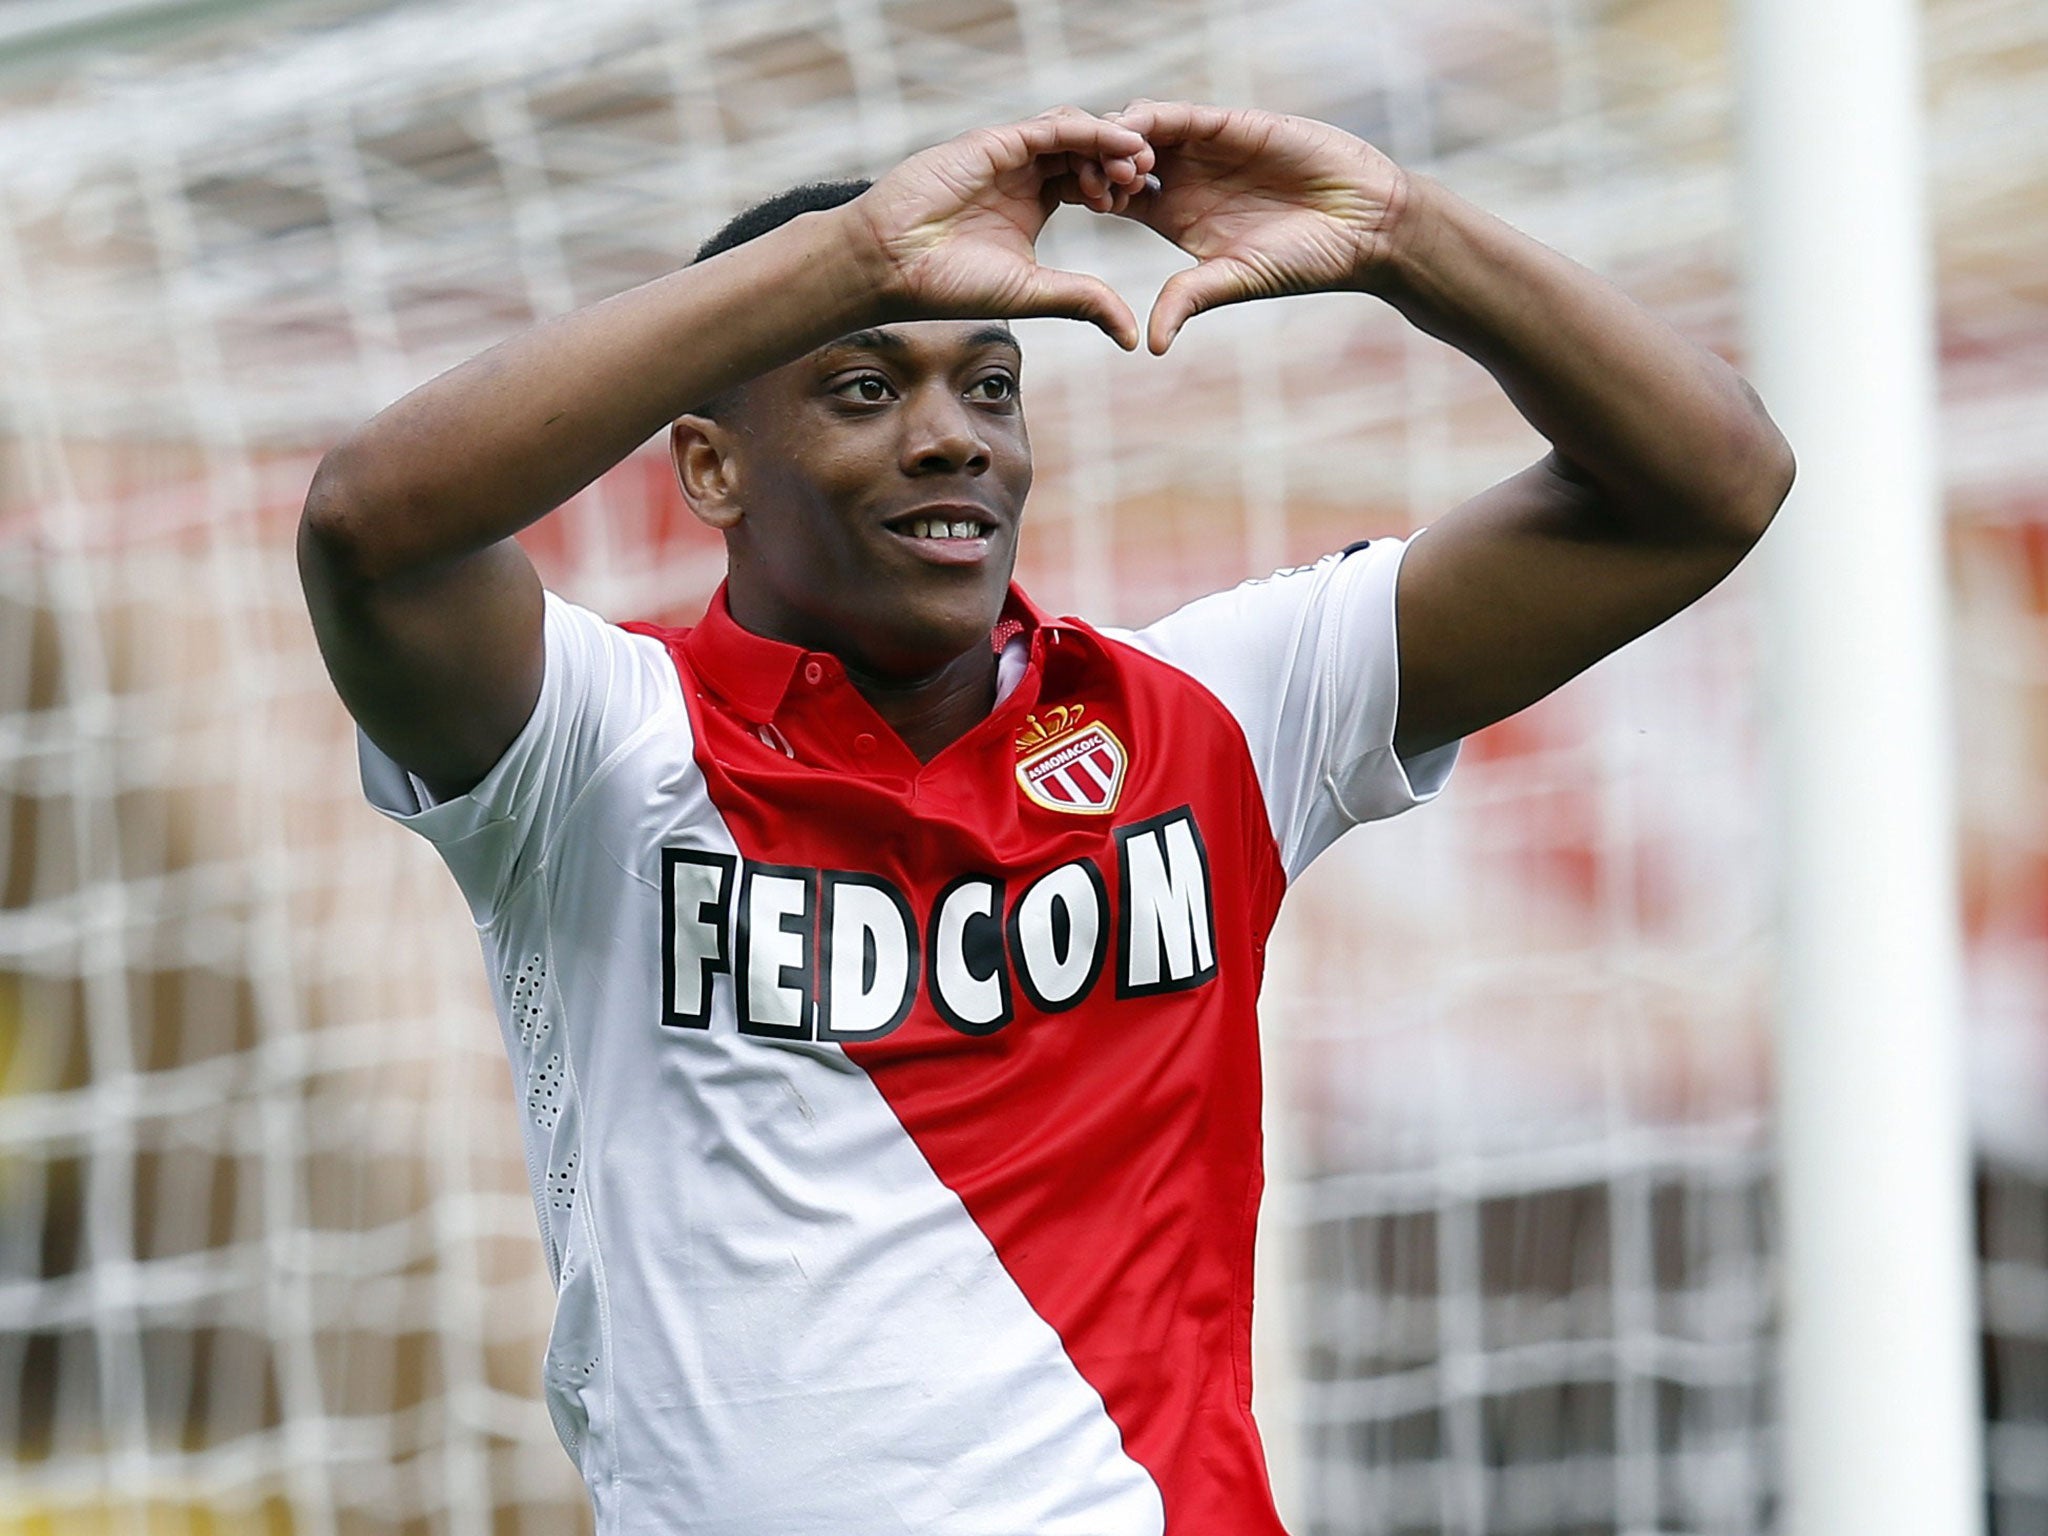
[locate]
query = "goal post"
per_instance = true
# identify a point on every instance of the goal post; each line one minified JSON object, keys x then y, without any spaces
{"x":1883,"y":1434}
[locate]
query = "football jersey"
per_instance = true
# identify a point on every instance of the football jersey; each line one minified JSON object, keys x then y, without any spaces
{"x":894,"y":1126}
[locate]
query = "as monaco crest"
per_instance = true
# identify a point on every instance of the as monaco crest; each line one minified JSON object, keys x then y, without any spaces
{"x":1067,"y":764}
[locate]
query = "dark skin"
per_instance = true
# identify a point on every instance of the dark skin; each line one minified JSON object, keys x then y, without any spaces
{"x":817,"y":467}
{"x":429,"y":615}
{"x":861,"y":339}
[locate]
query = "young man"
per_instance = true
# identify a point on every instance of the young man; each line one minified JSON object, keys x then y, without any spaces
{"x":878,"y":958}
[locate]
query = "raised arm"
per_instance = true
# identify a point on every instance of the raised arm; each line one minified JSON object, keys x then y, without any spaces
{"x":1664,"y":469}
{"x":429,"y":616}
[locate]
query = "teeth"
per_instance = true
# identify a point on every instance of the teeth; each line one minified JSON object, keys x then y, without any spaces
{"x":940,"y":528}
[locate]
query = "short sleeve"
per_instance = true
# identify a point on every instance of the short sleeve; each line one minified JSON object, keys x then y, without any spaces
{"x":1308,"y":663}
{"x":599,"y":686}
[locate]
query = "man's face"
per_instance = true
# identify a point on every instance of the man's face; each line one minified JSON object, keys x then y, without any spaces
{"x":881,"y":480}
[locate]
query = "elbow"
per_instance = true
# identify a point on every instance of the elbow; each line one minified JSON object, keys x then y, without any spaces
{"x":1776,"y":469}
{"x":1770,"y":468}
{"x":337,"y":544}
{"x":1757,"y":470}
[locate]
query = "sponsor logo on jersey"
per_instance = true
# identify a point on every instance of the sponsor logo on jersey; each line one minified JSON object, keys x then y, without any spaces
{"x":1066,"y":763}
{"x":834,"y":954}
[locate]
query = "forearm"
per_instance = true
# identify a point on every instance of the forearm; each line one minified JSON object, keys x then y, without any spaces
{"x":473,"y":456}
{"x":1672,"y":443}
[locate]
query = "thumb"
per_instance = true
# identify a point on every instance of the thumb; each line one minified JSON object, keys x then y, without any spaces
{"x":1188,"y":292}
{"x":1078,"y":296}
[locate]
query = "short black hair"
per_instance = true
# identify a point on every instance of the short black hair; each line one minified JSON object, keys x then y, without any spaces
{"x":774,"y":212}
{"x":753,"y":222}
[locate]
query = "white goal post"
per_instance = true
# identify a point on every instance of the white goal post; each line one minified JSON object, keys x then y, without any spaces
{"x":1883,"y":1427}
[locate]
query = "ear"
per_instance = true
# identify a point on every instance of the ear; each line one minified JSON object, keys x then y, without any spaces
{"x":702,"y":451}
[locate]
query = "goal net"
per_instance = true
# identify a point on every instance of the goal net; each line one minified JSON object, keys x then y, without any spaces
{"x":267,"y":1257}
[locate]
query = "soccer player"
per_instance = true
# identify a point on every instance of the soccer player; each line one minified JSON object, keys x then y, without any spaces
{"x":877,"y":959}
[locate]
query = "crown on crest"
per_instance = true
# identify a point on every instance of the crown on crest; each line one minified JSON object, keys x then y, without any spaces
{"x":1054,"y":723}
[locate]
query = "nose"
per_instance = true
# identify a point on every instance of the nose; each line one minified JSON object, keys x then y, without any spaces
{"x":941,"y":435}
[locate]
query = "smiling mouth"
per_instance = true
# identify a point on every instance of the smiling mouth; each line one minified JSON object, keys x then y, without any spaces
{"x":959,"y":536}
{"x":953,"y":528}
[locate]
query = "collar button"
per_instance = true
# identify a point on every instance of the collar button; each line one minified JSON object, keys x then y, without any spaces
{"x":814,"y":673}
{"x":864,"y":743}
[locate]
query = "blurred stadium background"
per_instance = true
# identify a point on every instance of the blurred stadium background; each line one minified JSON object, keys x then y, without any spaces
{"x":267,"y":1259}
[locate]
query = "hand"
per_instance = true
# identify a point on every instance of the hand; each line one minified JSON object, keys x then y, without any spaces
{"x":1266,"y":204}
{"x":954,"y":228}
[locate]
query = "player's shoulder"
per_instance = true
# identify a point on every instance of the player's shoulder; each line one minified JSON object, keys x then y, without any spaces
{"x":1259,"y":607}
{"x":580,"y":625}
{"x":619,"y":669}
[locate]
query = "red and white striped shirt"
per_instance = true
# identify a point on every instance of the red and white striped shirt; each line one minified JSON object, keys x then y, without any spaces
{"x":894,"y":1126}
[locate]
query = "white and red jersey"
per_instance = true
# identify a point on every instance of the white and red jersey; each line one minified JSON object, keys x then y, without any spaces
{"x":894,"y":1126}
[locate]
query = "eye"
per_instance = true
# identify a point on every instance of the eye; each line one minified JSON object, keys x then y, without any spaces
{"x":867,"y":388}
{"x":993,"y":389}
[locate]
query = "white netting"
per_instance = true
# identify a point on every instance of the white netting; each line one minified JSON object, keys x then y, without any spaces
{"x":267,"y":1262}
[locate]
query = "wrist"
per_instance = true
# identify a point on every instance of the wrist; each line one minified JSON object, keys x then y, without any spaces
{"x":750,"y":309}
{"x":1396,"y":265}
{"x":862,"y":263}
{"x":873,"y":267}
{"x":852,"y":277}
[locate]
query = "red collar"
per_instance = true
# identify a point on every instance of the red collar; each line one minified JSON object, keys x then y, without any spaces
{"x":753,"y":673}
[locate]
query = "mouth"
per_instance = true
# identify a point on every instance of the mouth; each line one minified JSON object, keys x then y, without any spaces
{"x":950,"y":535}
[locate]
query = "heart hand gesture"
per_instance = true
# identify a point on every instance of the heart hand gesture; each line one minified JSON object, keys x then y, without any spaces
{"x":953,"y":229}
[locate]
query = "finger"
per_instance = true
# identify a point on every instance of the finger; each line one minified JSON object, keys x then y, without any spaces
{"x":1063,"y":188}
{"x":1174,"y":122}
{"x":1078,"y":296}
{"x":1125,"y":197}
{"x":1071,"y":186}
{"x":1073,"y":179}
{"x":1141,"y":205}
{"x":1094,"y":184}
{"x":1206,"y":285}
{"x":1069,"y":130}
